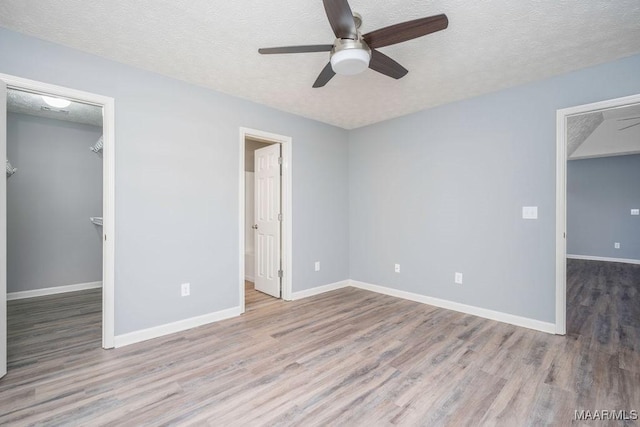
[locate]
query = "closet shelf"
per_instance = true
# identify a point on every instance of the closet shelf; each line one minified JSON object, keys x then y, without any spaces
{"x":97,"y":147}
{"x":97,"y":220}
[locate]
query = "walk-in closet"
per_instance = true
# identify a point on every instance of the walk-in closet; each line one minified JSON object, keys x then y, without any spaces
{"x":54,"y":173}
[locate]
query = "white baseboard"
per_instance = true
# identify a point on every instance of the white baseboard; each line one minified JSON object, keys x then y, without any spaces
{"x":249,"y":279}
{"x":605,"y":259}
{"x":319,"y":290}
{"x":179,"y":326}
{"x":52,"y":291}
{"x":462,"y":308}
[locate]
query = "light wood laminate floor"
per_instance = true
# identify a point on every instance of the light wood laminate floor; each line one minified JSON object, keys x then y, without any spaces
{"x":347,"y":357}
{"x":254,"y":300}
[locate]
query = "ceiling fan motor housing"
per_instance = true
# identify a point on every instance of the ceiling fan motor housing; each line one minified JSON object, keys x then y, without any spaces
{"x":350,"y":57}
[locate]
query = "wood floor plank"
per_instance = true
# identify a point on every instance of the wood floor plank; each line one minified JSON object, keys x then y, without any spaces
{"x":347,"y":357}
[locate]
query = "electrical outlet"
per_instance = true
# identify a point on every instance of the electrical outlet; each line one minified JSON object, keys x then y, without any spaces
{"x":397,"y":268}
{"x":458,"y":278}
{"x":616,"y":245}
{"x":185,"y":289}
{"x":317,"y":266}
{"x":635,"y":211}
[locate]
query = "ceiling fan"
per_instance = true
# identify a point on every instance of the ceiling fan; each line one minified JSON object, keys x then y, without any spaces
{"x":630,"y":126}
{"x":352,"y":52}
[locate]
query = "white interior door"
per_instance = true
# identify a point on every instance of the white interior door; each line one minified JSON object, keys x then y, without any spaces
{"x":3,"y":231}
{"x":267,"y":210}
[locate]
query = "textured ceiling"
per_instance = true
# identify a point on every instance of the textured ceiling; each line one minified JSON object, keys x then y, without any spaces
{"x":33,"y":104}
{"x":489,"y":45}
{"x":603,"y":133}
{"x":580,"y":127}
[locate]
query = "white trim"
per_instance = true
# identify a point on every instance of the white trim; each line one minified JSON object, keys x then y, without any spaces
{"x":108,"y":187}
{"x":179,"y":326}
{"x":287,"y":207}
{"x":287,"y":223}
{"x":53,"y":290}
{"x":524,"y":322}
{"x":249,"y":279}
{"x":241,"y":247}
{"x":605,"y":259}
{"x":320,"y":290}
{"x":561,"y":196}
{"x":3,"y":234}
{"x":561,"y":224}
{"x":108,"y":223}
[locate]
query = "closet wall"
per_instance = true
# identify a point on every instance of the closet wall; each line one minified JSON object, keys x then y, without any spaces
{"x":57,"y":188}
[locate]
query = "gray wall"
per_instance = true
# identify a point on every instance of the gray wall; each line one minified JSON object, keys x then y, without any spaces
{"x":177,"y":179}
{"x":441,"y":191}
{"x":600,"y":195}
{"x":438,"y":191}
{"x":58,"y":186}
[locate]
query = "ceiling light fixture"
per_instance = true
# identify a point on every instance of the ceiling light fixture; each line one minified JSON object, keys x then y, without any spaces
{"x":350,"y":57}
{"x":56,"y":102}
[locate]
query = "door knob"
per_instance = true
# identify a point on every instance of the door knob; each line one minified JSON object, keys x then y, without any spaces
{"x":255,"y":226}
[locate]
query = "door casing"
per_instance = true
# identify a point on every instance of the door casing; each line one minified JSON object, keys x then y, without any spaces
{"x":108,"y":187}
{"x":3,"y":233}
{"x":287,"y":209}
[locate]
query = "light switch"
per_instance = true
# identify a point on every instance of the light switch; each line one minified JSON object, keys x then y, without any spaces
{"x":635,"y":211}
{"x":530,"y":212}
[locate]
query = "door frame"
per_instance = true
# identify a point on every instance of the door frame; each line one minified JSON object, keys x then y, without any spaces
{"x":108,"y":187}
{"x":287,"y":209}
{"x":561,"y":196}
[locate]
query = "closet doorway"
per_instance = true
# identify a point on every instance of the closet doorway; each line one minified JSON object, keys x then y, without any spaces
{"x":265,"y":226}
{"x":56,"y":218}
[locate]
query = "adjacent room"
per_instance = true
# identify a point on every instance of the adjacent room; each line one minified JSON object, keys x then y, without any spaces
{"x":603,"y":244}
{"x":331,"y":212}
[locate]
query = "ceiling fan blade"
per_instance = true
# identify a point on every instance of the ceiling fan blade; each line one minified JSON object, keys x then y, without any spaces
{"x":385,"y":65}
{"x":296,"y":49}
{"x":341,"y":18}
{"x":630,"y":126}
{"x":326,"y":74}
{"x":406,"y":31}
{"x":629,"y":118}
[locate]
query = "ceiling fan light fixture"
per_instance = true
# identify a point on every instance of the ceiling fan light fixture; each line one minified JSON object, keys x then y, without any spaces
{"x":350,"y":61}
{"x":56,"y":102}
{"x":350,"y":57}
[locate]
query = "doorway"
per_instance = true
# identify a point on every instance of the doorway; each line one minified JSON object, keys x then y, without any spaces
{"x":574,"y":127}
{"x":267,"y":148}
{"x":104,"y":233}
